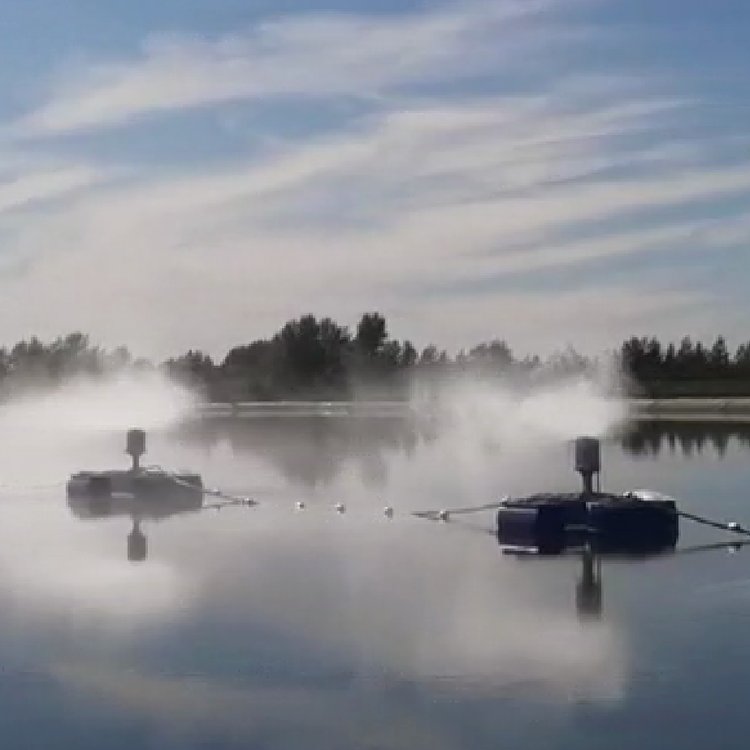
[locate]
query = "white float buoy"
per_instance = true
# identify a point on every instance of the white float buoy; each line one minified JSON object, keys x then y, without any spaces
{"x":340,"y":508}
{"x":388,"y":511}
{"x":443,"y":515}
{"x":299,"y":505}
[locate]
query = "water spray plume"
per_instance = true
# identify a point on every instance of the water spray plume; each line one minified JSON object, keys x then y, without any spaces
{"x":495,"y":414}
{"x":49,"y":433}
{"x":147,"y":401}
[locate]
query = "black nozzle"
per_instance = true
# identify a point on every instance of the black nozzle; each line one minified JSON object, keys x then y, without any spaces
{"x":135,"y":446}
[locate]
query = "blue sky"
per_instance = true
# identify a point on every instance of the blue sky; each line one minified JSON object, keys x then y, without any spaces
{"x":553,"y":172}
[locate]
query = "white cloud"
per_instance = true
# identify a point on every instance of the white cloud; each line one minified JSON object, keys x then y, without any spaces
{"x":30,"y":187}
{"x":435,"y":196}
{"x":305,"y":56}
{"x":590,"y":319}
{"x":405,"y":209}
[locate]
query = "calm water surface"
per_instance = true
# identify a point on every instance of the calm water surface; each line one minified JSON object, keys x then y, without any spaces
{"x":274,"y":627}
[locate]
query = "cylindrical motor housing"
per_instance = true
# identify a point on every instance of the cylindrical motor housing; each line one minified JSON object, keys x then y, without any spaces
{"x":588,"y":455}
{"x":135,"y":445}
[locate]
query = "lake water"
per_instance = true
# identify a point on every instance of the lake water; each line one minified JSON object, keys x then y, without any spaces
{"x":274,"y":627}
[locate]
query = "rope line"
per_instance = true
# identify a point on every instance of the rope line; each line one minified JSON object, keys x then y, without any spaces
{"x":444,"y":514}
{"x":732,"y":526}
{"x":431,"y":515}
{"x":722,"y":525}
{"x":228,"y":498}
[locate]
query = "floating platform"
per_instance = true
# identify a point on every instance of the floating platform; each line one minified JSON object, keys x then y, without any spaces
{"x":554,"y":522}
{"x":149,"y":487}
{"x":606,"y":522}
{"x":138,"y":483}
{"x":145,"y":494}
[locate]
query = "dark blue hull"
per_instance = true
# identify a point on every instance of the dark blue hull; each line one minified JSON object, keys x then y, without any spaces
{"x":608,"y":523}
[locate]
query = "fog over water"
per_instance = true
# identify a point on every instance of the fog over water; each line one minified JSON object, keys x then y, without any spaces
{"x":273,"y":626}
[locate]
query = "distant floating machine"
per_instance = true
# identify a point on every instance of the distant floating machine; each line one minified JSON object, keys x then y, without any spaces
{"x":552,"y":523}
{"x":104,"y":489}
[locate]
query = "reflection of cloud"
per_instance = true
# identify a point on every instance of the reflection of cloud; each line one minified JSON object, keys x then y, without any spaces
{"x":312,"y":717}
{"x":52,"y":568}
{"x":417,"y":601}
{"x":368,"y":620}
{"x":313,"y":451}
{"x":404,"y":600}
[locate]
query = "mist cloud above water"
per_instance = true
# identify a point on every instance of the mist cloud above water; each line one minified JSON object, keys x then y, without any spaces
{"x":403,"y":600}
{"x":549,"y":414}
{"x":147,"y":400}
{"x":48,"y":434}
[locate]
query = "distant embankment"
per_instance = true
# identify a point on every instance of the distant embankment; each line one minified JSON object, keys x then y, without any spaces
{"x":252,"y":409}
{"x":713,"y":409}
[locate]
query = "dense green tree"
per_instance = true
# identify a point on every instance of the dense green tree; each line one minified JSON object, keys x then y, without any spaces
{"x":372,"y":333}
{"x":409,"y":355}
{"x":719,"y":354}
{"x":311,"y":357}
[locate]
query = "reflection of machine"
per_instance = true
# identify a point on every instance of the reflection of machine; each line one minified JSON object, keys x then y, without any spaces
{"x":138,"y":509}
{"x":137,"y":543}
{"x":589,"y":587}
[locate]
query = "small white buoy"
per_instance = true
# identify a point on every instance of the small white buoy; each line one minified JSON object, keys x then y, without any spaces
{"x":733,"y":526}
{"x":299,"y":505}
{"x":340,"y":508}
{"x":388,"y":511}
{"x":443,"y":515}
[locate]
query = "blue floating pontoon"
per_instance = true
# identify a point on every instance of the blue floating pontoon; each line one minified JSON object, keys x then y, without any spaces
{"x":554,"y":522}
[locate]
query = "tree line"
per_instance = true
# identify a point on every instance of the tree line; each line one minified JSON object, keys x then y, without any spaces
{"x":311,"y":358}
{"x":318,"y":358}
{"x":688,"y":367}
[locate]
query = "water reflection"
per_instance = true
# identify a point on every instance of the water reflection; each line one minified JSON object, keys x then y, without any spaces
{"x":589,"y":586}
{"x":404,"y":600}
{"x":138,"y":510}
{"x":273,"y":628}
{"x":650,"y":438}
{"x":314,"y":451}
{"x":137,"y":543}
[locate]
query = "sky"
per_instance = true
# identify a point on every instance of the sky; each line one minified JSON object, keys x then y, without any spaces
{"x":191,"y":174}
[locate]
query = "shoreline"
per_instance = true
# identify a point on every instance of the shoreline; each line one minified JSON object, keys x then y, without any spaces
{"x":708,"y":409}
{"x":685,"y":409}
